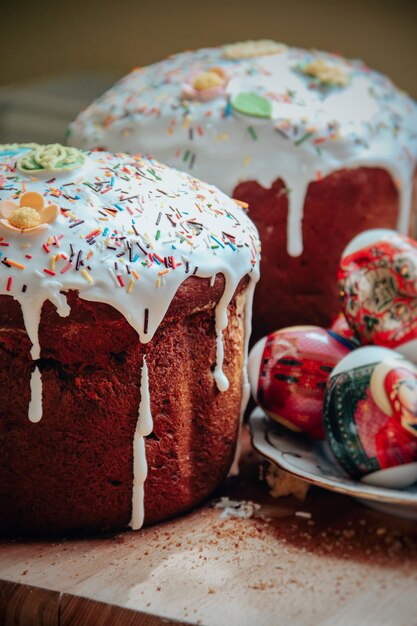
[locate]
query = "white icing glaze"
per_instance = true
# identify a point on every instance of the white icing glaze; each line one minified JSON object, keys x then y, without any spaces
{"x":234,"y":470}
{"x":144,"y":427}
{"x":35,"y":404}
{"x":313,"y":130}
{"x":130,"y":231}
{"x":221,"y":323}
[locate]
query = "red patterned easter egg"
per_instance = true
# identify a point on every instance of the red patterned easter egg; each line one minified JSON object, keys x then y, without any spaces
{"x":378,"y":289}
{"x":370,"y":416}
{"x":341,"y":327}
{"x":288,"y":372}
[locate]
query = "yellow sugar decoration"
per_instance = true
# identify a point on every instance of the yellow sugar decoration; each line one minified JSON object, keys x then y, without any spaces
{"x":53,"y":262}
{"x":207,"y":80}
{"x":25,"y":217}
{"x":130,"y":285}
{"x":158,"y":283}
{"x":251,"y":49}
{"x":87,"y":276}
{"x":327,"y":73}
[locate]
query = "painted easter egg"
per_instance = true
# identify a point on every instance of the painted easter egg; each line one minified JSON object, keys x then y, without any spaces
{"x":370,"y":416}
{"x":288,"y":372}
{"x":341,"y":327}
{"x":378,"y":289}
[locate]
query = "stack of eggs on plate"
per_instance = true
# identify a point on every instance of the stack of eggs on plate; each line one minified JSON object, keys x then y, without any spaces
{"x":354,"y":384}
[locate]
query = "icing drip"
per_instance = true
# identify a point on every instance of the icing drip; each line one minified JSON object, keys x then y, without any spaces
{"x":250,"y":290}
{"x":31,"y":311}
{"x":295,"y":217}
{"x":220,"y":377}
{"x":35,"y":404}
{"x":324,"y":114}
{"x":406,"y":194}
{"x":144,"y":427}
{"x":231,"y":283}
{"x":32,"y":308}
{"x":221,"y":323}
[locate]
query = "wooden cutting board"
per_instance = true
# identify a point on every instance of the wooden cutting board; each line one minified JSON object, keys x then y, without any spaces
{"x":326,"y":561}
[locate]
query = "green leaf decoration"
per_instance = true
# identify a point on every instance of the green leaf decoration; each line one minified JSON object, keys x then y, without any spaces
{"x":252,"y":104}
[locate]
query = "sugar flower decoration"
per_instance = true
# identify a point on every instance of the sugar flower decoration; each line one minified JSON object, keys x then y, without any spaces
{"x":30,"y":215}
{"x":250,"y":49}
{"x":52,"y":158}
{"x":327,"y":74}
{"x":206,"y":85}
{"x":252,"y":104}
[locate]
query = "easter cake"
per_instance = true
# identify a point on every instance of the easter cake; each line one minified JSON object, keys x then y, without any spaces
{"x":319,"y":146}
{"x":125,"y":305}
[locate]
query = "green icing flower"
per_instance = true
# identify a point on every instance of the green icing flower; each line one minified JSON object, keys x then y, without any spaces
{"x":51,"y":157}
{"x":252,"y":104}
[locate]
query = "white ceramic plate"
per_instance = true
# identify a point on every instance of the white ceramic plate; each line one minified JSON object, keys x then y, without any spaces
{"x":312,"y":461}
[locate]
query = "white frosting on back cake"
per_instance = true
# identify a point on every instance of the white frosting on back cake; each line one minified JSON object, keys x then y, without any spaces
{"x":121,"y":230}
{"x":271,"y":112}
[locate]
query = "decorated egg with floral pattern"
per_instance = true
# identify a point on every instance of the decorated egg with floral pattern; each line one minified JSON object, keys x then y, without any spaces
{"x":378,"y":289}
{"x":341,"y":327}
{"x":288,"y":372}
{"x":370,"y":416}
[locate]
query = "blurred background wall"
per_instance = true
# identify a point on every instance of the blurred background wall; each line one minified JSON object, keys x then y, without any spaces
{"x":38,"y":38}
{"x":69,"y":52}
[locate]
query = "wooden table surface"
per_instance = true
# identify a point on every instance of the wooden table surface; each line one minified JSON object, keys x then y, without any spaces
{"x":327,"y":561}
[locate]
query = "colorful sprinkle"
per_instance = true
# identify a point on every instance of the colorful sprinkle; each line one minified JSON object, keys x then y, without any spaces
{"x":87,"y":276}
